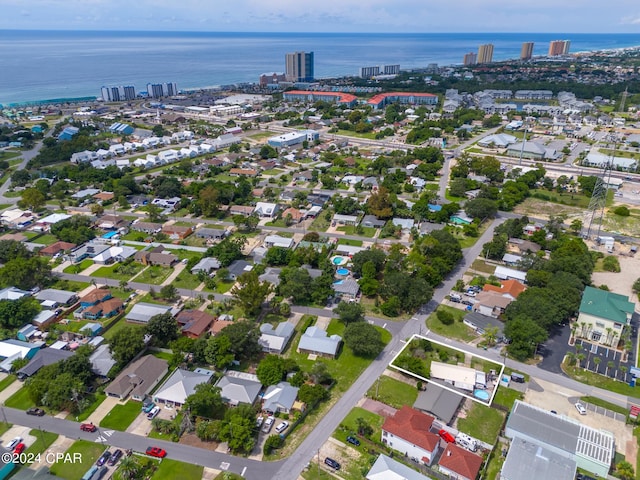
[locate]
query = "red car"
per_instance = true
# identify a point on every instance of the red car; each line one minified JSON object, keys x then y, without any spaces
{"x":20,"y":448}
{"x":156,"y":452}
{"x":446,"y":436}
{"x":88,"y":427}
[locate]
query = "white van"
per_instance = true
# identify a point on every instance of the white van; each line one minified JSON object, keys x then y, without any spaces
{"x":153,"y":413}
{"x":467,"y":442}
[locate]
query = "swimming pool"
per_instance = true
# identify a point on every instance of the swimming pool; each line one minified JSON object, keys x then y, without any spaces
{"x":481,"y":395}
{"x":338,"y":260}
{"x":342,"y":271}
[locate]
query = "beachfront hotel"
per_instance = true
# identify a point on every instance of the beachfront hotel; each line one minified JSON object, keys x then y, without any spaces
{"x":527,"y":51}
{"x":470,"y":59}
{"x":299,"y":67}
{"x":118,"y":94}
{"x":485,"y":53}
{"x":157,"y":90}
{"x":559,"y":47}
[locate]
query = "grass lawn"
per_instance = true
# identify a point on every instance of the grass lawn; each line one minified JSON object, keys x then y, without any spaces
{"x":4,"y":427}
{"x":320,"y":223}
{"x":99,"y":398}
{"x":371,"y":418}
{"x":457,"y":330}
{"x":368,"y":232}
{"x":154,"y":275}
{"x":223,"y":287}
{"x":507,"y":396}
{"x":43,"y":441}
{"x":495,"y":463}
{"x":393,"y":392}
{"x":596,"y":380}
{"x":482,"y":422}
{"x":483,"y":267}
{"x":162,"y":355}
{"x":89,"y":452}
{"x":118,"y":271}
{"x":4,"y":205}
{"x":347,"y":241}
{"x":120,"y":324}
{"x":63,"y":284}
{"x":121,"y":416}
{"x":172,"y":469}
{"x":370,"y":307}
{"x":313,"y":473}
{"x":351,"y":133}
{"x":46,"y":239}
{"x":8,"y":380}
{"x":273,"y":171}
{"x":604,"y":404}
{"x":79,"y":267}
{"x":20,"y":400}
{"x":186,"y":280}
{"x":572,"y":199}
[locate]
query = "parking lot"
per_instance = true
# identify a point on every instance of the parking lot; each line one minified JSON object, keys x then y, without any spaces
{"x":609,"y":363}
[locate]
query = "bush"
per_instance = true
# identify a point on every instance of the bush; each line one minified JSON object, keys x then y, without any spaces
{"x":622,"y":211}
{"x":272,"y":443}
{"x":391,"y":308}
{"x":611,"y":264}
{"x":445,"y":317}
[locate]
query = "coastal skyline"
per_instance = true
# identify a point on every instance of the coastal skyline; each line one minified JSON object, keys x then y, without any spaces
{"x":384,"y":16}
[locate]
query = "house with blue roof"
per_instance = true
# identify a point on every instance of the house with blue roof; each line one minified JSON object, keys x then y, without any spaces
{"x":68,"y":133}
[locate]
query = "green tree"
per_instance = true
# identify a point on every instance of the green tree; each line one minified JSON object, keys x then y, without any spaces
{"x":244,"y":338}
{"x":379,"y":204}
{"x":611,"y":264}
{"x":270,"y":370}
{"x":126,"y":343}
{"x":364,"y":339}
{"x":310,"y":394}
{"x":10,"y":249}
{"x":445,"y":317}
{"x":163,"y":328}
{"x":250,"y":293}
{"x":363,"y":427}
{"x":16,"y":313}
{"x":349,"y":312}
{"x":273,"y":442}
{"x":25,"y":273}
{"x":481,"y":208}
{"x":218,"y":351}
{"x":297,"y":284}
{"x":169,"y":292}
{"x":205,"y":402}
{"x":524,"y":334}
{"x":32,"y":198}
{"x":625,"y":470}
{"x":237,"y":428}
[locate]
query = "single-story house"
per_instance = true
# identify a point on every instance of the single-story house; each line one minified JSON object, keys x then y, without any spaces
{"x":459,"y":463}
{"x":266,"y":210}
{"x":438,"y":401}
{"x":194,"y":323}
{"x":177,"y":232}
{"x":491,"y":303}
{"x":504,"y":273}
{"x":480,"y":322}
{"x":143,"y":312}
{"x":405,"y":224}
{"x":12,"y":293}
{"x":349,"y":250}
{"x":146,"y":227}
{"x":101,"y":360}
{"x":296,"y":215}
{"x":138,"y":379}
{"x":278,"y":241}
{"x":156,"y":256}
{"x":182,"y":383}
{"x":237,"y":268}
{"x":239,"y":387}
{"x":522,"y":246}
{"x":112,"y":222}
{"x":372,"y":221}
{"x":345,"y":219}
{"x":275,"y":340}
{"x":408,"y":432}
{"x":55,"y":298}
{"x":42,"y":358}
{"x":57,"y":247}
{"x":115,"y":253}
{"x":316,"y":341}
{"x":507,"y":288}
{"x":347,"y":288}
{"x":27,"y":332}
{"x":11,"y":350}
{"x":241,"y":210}
{"x":212,"y":233}
{"x":206,"y":265}
{"x":44,"y":318}
{"x":279,"y":398}
{"x":386,"y":468}
{"x":87,"y":250}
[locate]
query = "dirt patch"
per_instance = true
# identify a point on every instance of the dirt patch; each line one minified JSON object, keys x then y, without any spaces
{"x":192,"y":440}
{"x":536,"y":208}
{"x":378,"y":408}
{"x":338,"y":451}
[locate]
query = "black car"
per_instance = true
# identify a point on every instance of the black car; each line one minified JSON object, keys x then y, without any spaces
{"x":38,"y":412}
{"x":115,"y":456}
{"x":103,"y":458}
{"x":353,"y":441}
{"x":332,"y":463}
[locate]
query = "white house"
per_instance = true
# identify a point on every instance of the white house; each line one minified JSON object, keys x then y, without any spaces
{"x":408,"y":432}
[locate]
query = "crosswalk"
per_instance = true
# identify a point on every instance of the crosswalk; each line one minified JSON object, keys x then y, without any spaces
{"x":106,"y":433}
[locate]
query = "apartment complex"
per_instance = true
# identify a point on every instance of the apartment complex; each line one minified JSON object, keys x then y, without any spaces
{"x":299,"y":67}
{"x":118,"y":94}
{"x":559,"y":47}
{"x":485,"y":53}
{"x":470,"y":58}
{"x":157,"y":90}
{"x":527,"y":51}
{"x":369,"y":72}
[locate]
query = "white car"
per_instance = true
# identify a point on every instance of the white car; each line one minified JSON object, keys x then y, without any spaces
{"x":282,"y":427}
{"x":268,"y":423}
{"x":12,"y":444}
{"x":581,"y":409}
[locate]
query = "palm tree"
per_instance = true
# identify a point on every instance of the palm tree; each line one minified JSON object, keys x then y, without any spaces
{"x":610,"y":364}
{"x":609,"y":331}
{"x":597,"y":361}
{"x":129,"y":467}
{"x":574,"y":328}
{"x":571,"y":358}
{"x":490,"y":335}
{"x":583,"y":327}
{"x":623,"y":369}
{"x":580,"y":358}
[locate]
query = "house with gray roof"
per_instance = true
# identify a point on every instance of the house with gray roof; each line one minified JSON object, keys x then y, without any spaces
{"x":44,"y":318}
{"x":12,"y":293}
{"x":237,"y":268}
{"x":101,"y":361}
{"x":346,"y":289}
{"x":316,"y":341}
{"x":182,"y":383}
{"x":211,"y":233}
{"x":438,"y":401}
{"x":386,"y":468}
{"x":279,"y":398}
{"x":372,"y":221}
{"x":532,"y":150}
{"x":143,"y":312}
{"x":206,"y":265}
{"x":405,"y":224}
{"x":239,"y":387}
{"x":278,"y":241}
{"x":52,"y":298}
{"x":275,"y":340}
{"x":42,"y":358}
{"x":138,"y":379}
{"x":499,"y":140}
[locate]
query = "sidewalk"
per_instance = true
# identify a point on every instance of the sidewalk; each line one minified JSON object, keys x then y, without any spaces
{"x":10,"y":390}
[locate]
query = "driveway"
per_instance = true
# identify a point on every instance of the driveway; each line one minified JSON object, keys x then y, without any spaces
{"x":103,"y":409}
{"x":554,"y":349}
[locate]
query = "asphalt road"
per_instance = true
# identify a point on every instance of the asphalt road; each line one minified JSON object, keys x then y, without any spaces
{"x":249,"y":469}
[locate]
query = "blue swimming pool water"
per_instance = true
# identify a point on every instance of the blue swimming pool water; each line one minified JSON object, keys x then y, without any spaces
{"x":342,"y":271}
{"x":481,"y":394}
{"x":337,"y":260}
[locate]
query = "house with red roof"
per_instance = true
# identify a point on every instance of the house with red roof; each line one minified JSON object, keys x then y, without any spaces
{"x":459,"y":463}
{"x":409,"y":432}
{"x":507,"y":288}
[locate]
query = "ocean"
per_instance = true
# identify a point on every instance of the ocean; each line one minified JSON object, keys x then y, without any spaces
{"x":42,"y":65}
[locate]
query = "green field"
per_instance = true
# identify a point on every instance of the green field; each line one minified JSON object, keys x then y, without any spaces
{"x":154,"y":275}
{"x":43,"y":441}
{"x":121,"y":416}
{"x":482,"y":422}
{"x":393,"y":392}
{"x":118,"y":271}
{"x":507,"y":396}
{"x":8,"y":380}
{"x":20,"y":400}
{"x":368,"y":232}
{"x":89,"y":452}
{"x":457,"y":330}
{"x":46,"y":239}
{"x":78,"y":267}
{"x":173,"y":469}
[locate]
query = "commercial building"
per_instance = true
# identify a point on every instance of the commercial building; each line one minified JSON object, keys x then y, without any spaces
{"x":485,"y":53}
{"x":369,"y":72}
{"x":405,"y":98}
{"x":299,"y":67}
{"x":273,"y":78}
{"x":118,"y":94}
{"x":527,"y":51}
{"x":591,"y":450}
{"x":559,"y":47}
{"x":603,"y":314}
{"x":157,"y":90}
{"x":470,"y":58}
{"x":307,"y":96}
{"x":293,"y":138}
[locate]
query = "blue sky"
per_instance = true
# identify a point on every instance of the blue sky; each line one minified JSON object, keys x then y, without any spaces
{"x":562,"y":16}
